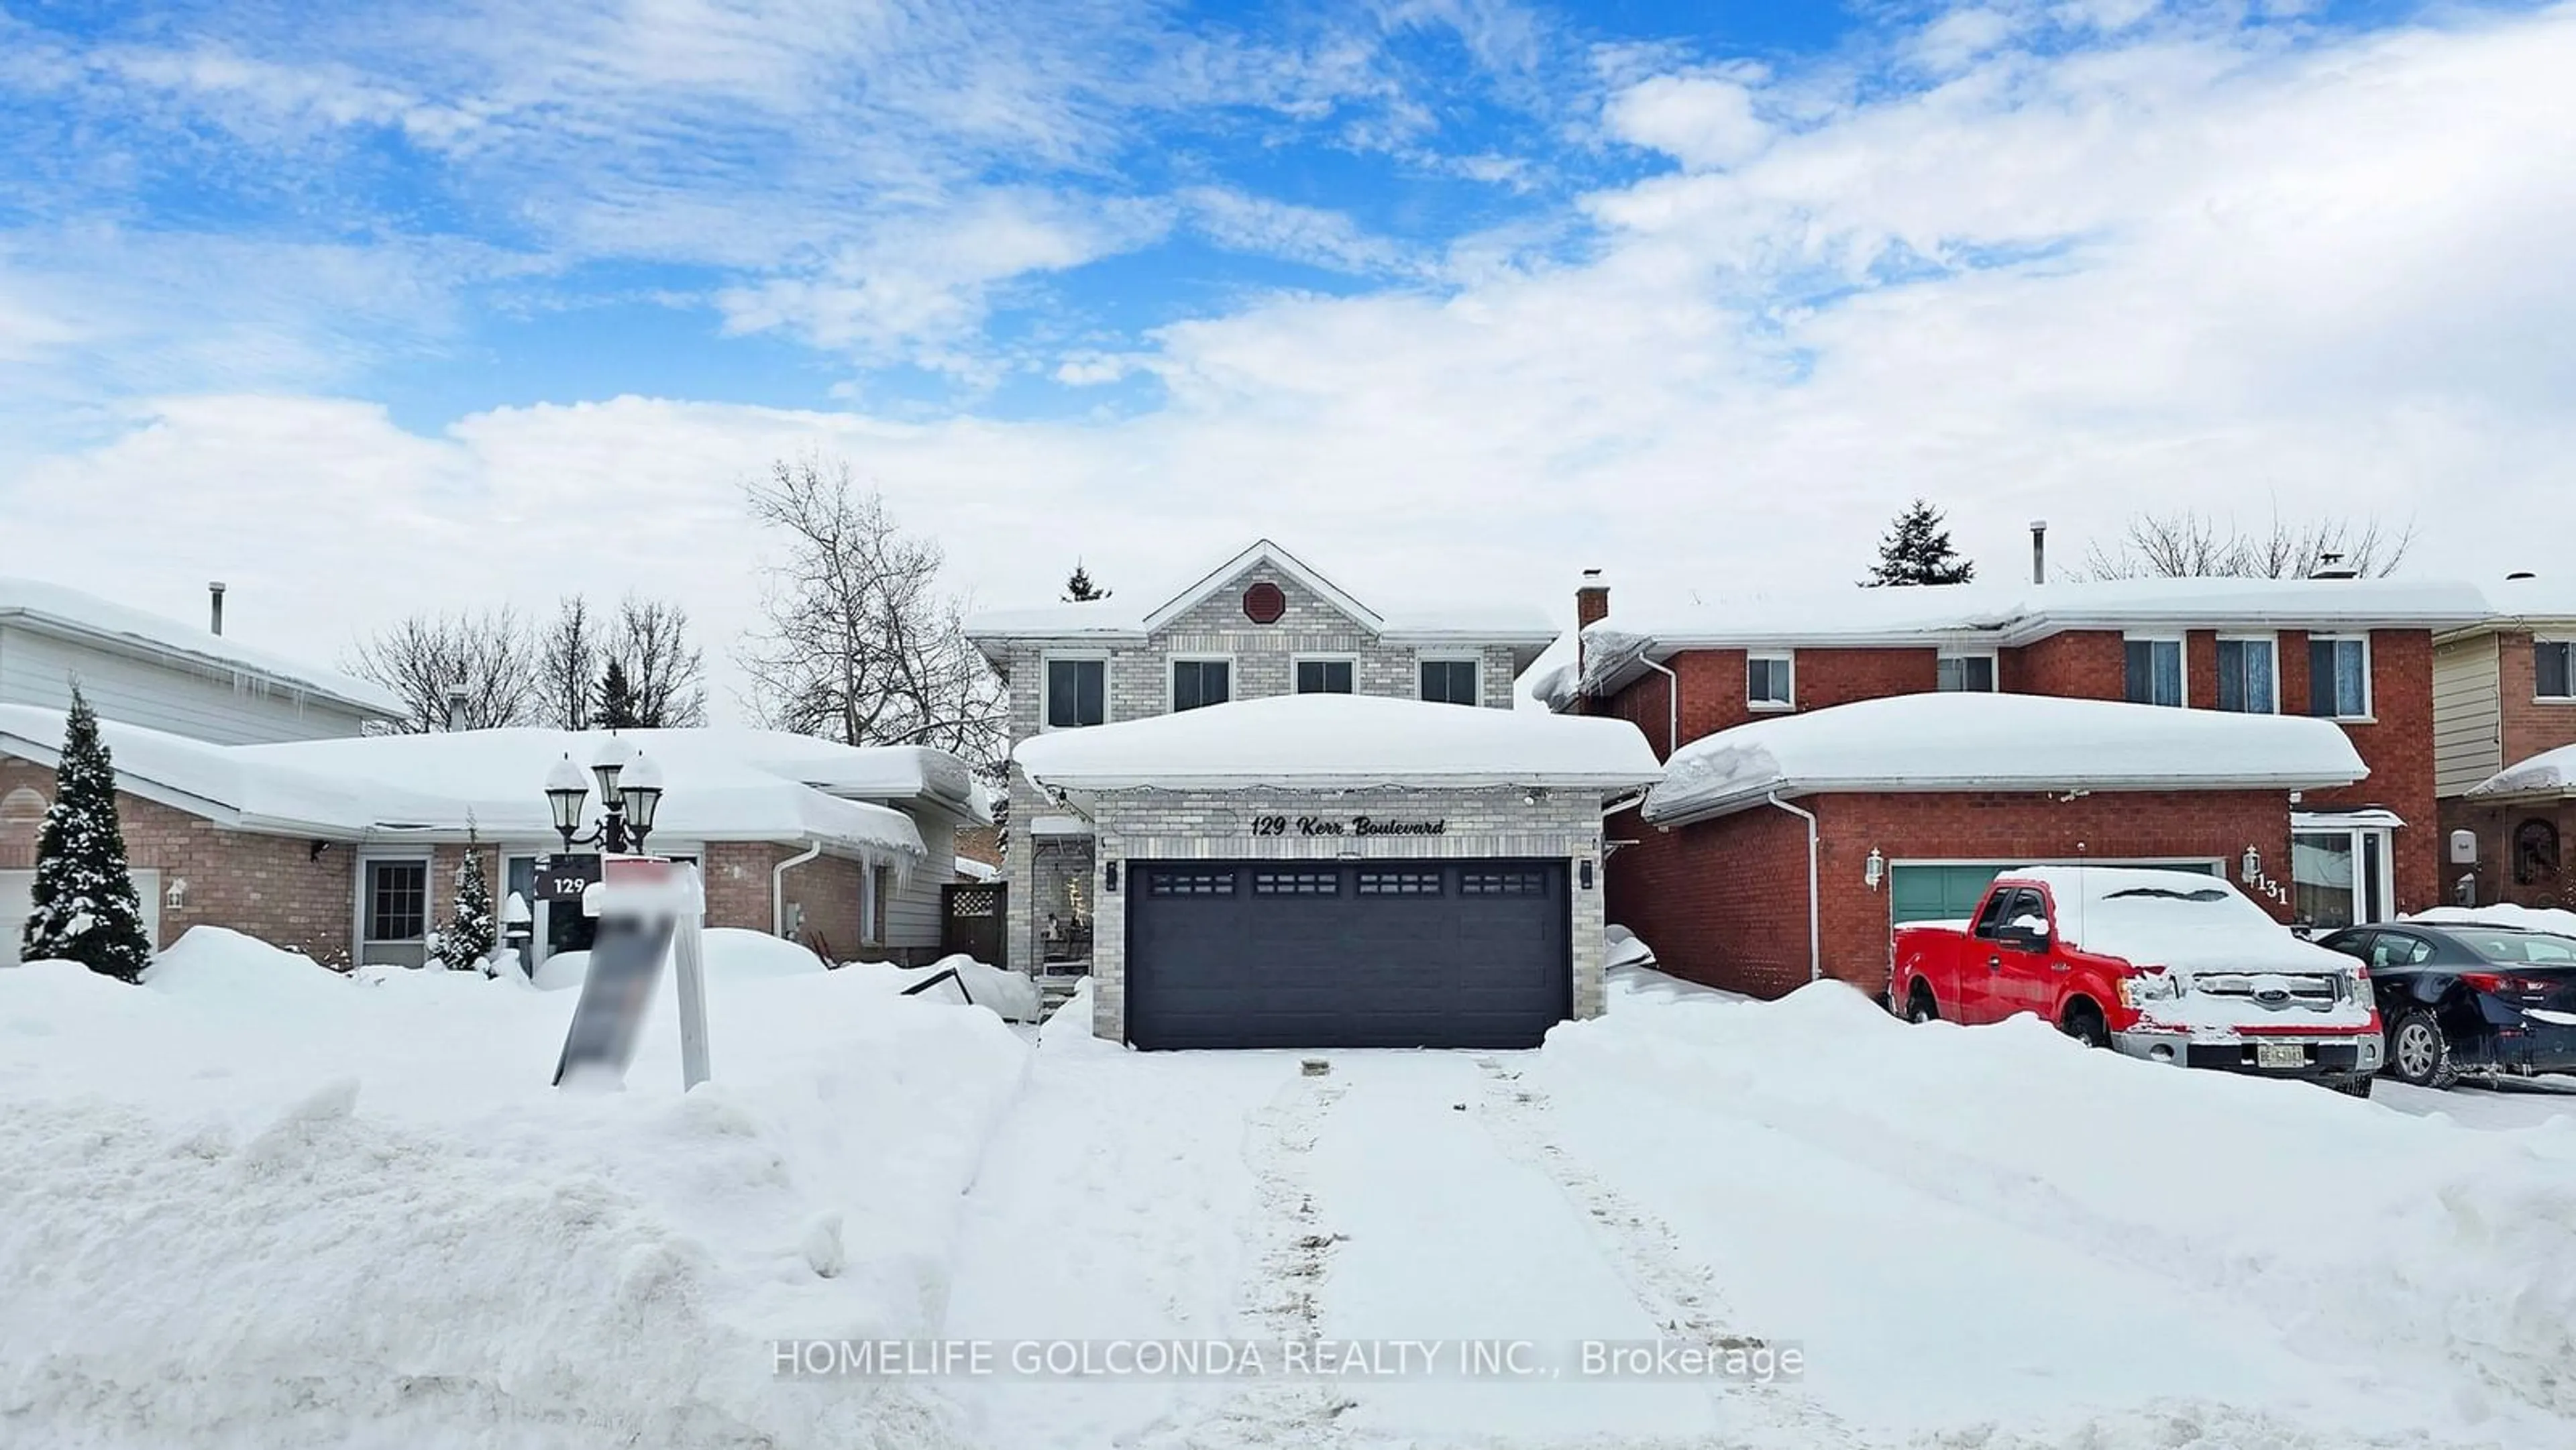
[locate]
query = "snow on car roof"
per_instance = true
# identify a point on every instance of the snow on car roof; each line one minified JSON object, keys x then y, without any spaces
{"x":1967,"y":740}
{"x":2552,"y":772}
{"x":492,"y":781}
{"x":1328,"y":741}
{"x":66,"y":610}
{"x":2177,"y":919}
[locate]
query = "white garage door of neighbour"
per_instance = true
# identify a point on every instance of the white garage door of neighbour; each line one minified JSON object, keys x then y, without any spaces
{"x":17,"y":889}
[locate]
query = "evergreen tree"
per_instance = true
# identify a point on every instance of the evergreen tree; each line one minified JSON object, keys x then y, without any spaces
{"x":1079,"y":589}
{"x":86,"y":909}
{"x":616,"y":700}
{"x":465,"y":944}
{"x":1917,"y":551}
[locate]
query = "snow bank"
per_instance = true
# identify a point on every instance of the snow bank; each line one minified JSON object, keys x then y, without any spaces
{"x":735,"y":952}
{"x":84,"y":613}
{"x":1621,"y":948}
{"x":2272,"y":1197}
{"x":1336,"y":741}
{"x":359,"y":1213}
{"x":2525,"y":918}
{"x":1011,"y":995}
{"x":1968,"y":741}
{"x":224,"y":967}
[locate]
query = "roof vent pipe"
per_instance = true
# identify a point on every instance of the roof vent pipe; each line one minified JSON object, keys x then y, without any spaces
{"x":2520,"y":574}
{"x":215,"y":606}
{"x":456,"y":697}
{"x":2039,"y":551}
{"x":2331,"y":565}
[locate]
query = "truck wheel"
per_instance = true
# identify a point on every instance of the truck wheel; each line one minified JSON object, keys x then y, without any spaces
{"x":1921,"y":1007}
{"x":2083,"y":1022}
{"x":2352,"y":1087}
{"x":2418,"y":1054}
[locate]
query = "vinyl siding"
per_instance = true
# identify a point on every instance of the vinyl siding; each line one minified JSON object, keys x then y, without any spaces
{"x":208,"y":704}
{"x":2468,"y":739}
{"x":912,"y":917}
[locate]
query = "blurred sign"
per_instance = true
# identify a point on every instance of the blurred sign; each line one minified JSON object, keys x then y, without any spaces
{"x":649,"y":911}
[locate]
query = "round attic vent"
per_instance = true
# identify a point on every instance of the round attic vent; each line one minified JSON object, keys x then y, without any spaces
{"x":1263,"y":603}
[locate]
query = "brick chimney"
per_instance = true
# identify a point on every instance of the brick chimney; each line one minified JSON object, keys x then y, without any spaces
{"x":1591,"y":606}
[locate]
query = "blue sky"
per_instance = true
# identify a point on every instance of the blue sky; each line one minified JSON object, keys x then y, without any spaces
{"x":1456,"y":291}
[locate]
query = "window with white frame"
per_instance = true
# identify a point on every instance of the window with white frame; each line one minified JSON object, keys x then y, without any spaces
{"x":1077,"y":693}
{"x":1326,"y":677}
{"x":1769,"y":681}
{"x":393,"y":913}
{"x":2339,"y":676}
{"x":2248,"y":680}
{"x":1450,"y":682}
{"x":2155,"y":671}
{"x":2553,"y":669}
{"x":1969,"y":672}
{"x":1197,"y":683}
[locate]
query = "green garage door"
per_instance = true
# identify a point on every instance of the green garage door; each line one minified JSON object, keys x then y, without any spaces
{"x":1951,"y":893}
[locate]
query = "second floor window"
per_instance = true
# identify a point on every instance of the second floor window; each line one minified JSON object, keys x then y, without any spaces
{"x":1449,"y":682}
{"x":1201,"y":682}
{"x":2245,"y":677}
{"x":2155,"y":671}
{"x":1967,"y":672}
{"x":1077,"y":693}
{"x":1767,"y":682}
{"x":2553,"y":666}
{"x":2339,"y":678}
{"x":1324,"y":677}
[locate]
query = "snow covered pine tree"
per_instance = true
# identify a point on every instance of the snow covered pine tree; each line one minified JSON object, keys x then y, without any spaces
{"x":86,"y":909}
{"x":1917,"y":551}
{"x":465,"y":943}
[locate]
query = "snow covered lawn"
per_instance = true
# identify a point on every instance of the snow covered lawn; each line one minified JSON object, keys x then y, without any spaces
{"x":250,"y":1203}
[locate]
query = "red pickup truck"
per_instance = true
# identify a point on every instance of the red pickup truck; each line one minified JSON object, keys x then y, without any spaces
{"x":2171,"y":966}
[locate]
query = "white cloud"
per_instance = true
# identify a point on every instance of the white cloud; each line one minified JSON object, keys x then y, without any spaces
{"x":2188,"y":268}
{"x":1704,"y":121}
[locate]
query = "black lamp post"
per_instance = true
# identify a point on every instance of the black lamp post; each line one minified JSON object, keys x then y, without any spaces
{"x":630,"y":794}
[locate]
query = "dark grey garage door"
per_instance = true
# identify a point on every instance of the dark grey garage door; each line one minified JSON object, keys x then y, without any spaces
{"x":1346,"y":954}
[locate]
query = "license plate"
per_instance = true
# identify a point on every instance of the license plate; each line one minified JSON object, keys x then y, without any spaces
{"x":2280,"y":1054}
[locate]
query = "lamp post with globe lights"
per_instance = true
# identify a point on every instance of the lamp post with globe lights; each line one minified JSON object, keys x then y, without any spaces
{"x":630,"y":796}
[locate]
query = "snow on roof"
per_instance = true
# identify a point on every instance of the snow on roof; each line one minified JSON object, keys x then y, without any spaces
{"x":1332,"y":741}
{"x":2174,"y":919}
{"x":2502,"y":914}
{"x":1988,"y":615}
{"x":721,"y":784}
{"x":1101,"y":619}
{"x":2552,"y":772}
{"x":1967,"y":740}
{"x":2539,"y":597}
{"x":489,"y":781}
{"x":57,"y":609}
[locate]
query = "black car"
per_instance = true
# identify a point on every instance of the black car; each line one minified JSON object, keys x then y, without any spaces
{"x":2461,"y":997}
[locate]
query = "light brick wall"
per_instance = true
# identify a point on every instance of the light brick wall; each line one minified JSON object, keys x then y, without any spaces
{"x":270,"y":887}
{"x":1210,"y":826}
{"x":1264,"y":664}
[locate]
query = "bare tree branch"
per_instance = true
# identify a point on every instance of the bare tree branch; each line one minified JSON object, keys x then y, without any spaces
{"x":2187,"y":545}
{"x":569,"y":667}
{"x":491,"y":657}
{"x":860,"y":646}
{"x":664,"y":673}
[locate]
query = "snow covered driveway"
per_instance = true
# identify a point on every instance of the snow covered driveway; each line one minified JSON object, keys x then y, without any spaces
{"x":1976,"y":1239}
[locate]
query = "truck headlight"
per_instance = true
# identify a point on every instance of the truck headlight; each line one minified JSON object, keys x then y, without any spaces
{"x":2136,"y":992}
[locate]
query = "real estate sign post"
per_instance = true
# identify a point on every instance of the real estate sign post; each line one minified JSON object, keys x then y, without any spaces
{"x":649,"y":909}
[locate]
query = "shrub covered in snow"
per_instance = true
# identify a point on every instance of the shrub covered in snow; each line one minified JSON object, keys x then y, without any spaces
{"x":86,"y":909}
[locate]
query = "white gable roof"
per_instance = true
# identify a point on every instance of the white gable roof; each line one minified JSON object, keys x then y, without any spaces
{"x":1262,"y":552}
{"x":72,"y":613}
{"x":1973,"y":741}
{"x":1333,"y":742}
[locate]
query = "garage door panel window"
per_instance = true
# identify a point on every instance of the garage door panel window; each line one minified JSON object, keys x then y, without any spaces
{"x":1296,"y":883}
{"x":1502,"y":883}
{"x":1399,"y":883}
{"x":1168,"y":882}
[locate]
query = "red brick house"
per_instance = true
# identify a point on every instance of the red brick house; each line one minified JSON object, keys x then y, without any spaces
{"x":2354,"y":652}
{"x":348,"y":850}
{"x":2504,"y":719}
